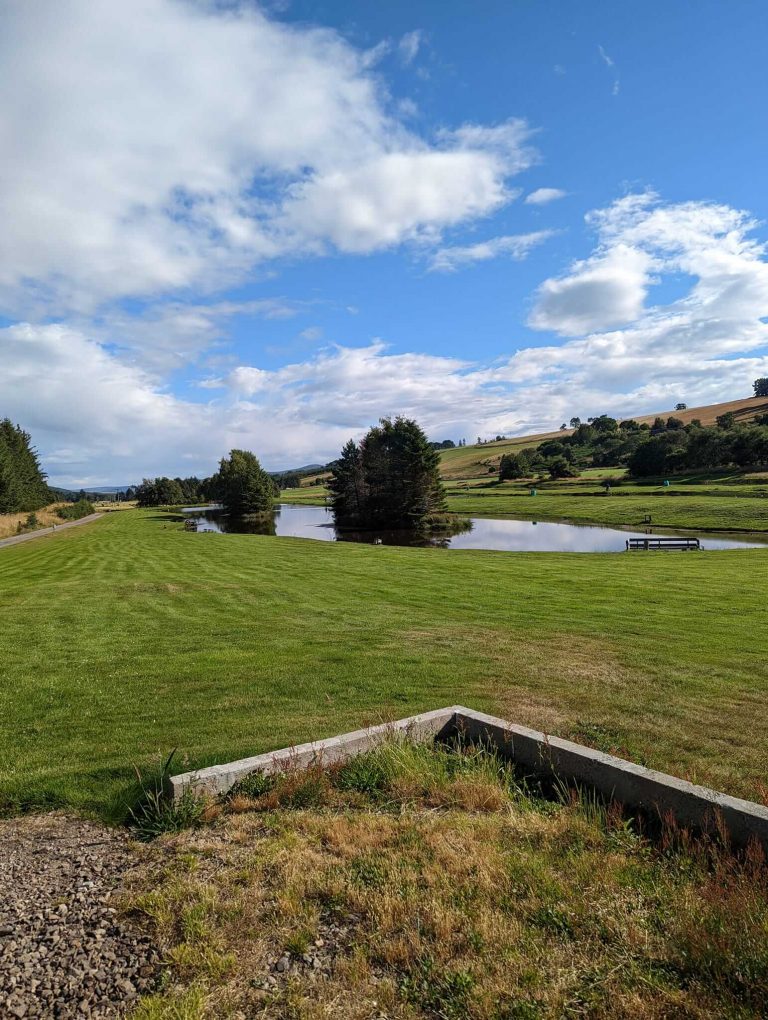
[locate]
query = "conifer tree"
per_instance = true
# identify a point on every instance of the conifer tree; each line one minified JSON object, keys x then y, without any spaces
{"x":22,"y":482}
{"x":390,"y":480}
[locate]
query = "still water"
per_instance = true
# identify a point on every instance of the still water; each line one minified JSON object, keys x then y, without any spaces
{"x":486,"y":533}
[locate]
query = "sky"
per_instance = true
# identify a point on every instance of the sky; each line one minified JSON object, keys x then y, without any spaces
{"x":229,"y":224}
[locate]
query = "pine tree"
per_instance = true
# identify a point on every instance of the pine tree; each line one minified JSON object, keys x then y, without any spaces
{"x":390,"y":480}
{"x":347,"y":486}
{"x":22,"y":482}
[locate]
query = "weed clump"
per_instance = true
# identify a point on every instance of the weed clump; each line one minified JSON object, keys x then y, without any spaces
{"x":153,"y":813}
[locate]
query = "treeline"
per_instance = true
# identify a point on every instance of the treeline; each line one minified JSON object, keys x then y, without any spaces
{"x":22,"y":481}
{"x":164,"y":491}
{"x":241,"y":484}
{"x":665,"y":447}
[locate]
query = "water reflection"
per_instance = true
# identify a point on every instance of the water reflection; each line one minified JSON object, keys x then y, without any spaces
{"x":316,"y":522}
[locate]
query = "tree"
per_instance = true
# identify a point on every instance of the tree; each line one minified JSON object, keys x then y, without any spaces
{"x":160,"y":492}
{"x":560,"y":468}
{"x":347,"y":486}
{"x":760,"y":387}
{"x":726,"y":421}
{"x":675,"y":423}
{"x":244,"y":485}
{"x":681,"y":407}
{"x":391,"y":479}
{"x":650,"y":458}
{"x":575,"y":422}
{"x":22,"y":482}
{"x":512,"y":465}
{"x":604,"y":423}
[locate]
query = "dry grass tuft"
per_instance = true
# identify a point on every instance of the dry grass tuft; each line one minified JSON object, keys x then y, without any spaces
{"x":9,"y":523}
{"x":418,"y":882}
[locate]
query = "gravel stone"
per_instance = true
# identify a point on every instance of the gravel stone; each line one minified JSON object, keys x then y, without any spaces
{"x":65,"y":950}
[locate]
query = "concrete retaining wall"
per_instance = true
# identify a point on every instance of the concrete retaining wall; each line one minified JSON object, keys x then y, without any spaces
{"x":636,"y":787}
{"x":219,"y":778}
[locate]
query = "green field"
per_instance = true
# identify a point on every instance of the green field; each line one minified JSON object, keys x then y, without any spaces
{"x":128,"y":637}
{"x":740,"y":506}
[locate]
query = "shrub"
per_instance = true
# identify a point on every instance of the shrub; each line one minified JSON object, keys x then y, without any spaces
{"x":75,"y":511}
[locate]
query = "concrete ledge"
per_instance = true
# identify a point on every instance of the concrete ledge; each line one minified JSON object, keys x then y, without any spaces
{"x":634,"y":786}
{"x":637,"y":788}
{"x":219,"y":778}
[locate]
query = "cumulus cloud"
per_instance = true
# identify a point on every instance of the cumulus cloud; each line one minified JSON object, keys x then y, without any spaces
{"x":162,"y":145}
{"x":542,"y":196}
{"x":702,"y":347}
{"x":517,"y":246}
{"x":606,"y":290}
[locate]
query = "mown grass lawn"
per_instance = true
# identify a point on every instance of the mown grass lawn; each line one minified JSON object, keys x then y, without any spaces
{"x":707,"y":513}
{"x":128,"y":637}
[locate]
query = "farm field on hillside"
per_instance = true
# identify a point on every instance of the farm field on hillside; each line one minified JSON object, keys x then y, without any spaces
{"x":130,"y":637}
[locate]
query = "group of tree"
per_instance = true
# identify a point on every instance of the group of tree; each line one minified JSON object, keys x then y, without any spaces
{"x":165,"y":491}
{"x":390,"y":479}
{"x":664,"y":447}
{"x":286,"y":479}
{"x":22,"y":481}
{"x":241,"y":485}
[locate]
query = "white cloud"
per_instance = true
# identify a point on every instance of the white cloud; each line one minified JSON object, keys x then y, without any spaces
{"x":542,"y":196}
{"x":312,"y":333}
{"x":409,"y":45}
{"x":517,"y":246}
{"x":96,"y":419}
{"x":606,"y":290}
{"x":169,"y":335}
{"x":610,"y":63}
{"x":162,"y":145}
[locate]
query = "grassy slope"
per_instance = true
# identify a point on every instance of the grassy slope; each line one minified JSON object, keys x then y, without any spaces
{"x":129,"y":637}
{"x":688,"y":510}
{"x":693,"y":502}
{"x":472,"y":461}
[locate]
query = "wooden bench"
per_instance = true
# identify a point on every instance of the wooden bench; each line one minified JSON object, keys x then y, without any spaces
{"x":653,"y":542}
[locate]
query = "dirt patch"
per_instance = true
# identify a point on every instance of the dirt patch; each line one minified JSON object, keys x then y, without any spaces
{"x":66,"y":948}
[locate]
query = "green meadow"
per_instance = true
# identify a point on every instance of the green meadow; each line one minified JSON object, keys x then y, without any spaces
{"x":129,"y":637}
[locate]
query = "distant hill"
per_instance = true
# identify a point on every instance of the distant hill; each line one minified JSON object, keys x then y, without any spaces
{"x":471,"y":461}
{"x":307,"y":469}
{"x":91,"y":490}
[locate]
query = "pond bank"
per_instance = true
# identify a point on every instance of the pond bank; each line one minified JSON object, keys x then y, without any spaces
{"x":500,"y":534}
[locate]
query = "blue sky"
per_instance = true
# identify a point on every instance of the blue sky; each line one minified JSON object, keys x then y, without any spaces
{"x":233,"y":225}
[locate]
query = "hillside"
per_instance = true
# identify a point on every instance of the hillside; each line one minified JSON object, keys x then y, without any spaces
{"x":471,"y":461}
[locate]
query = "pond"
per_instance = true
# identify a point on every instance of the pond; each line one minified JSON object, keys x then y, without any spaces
{"x":316,"y":522}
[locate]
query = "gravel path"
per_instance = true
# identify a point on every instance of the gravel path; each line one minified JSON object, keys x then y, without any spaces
{"x":15,"y":539}
{"x":65,"y":950}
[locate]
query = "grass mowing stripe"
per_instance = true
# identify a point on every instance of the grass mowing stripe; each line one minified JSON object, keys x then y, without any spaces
{"x":130,"y":637}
